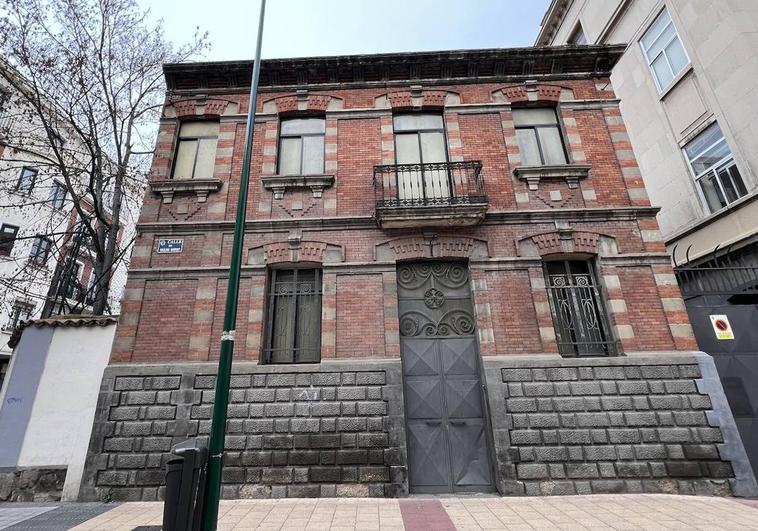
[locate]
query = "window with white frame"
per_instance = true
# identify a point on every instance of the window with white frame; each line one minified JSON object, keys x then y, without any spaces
{"x":714,"y":169}
{"x":21,"y":311}
{"x":663,"y":51}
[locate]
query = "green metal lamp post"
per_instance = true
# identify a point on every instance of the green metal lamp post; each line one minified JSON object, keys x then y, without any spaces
{"x":221,"y":402}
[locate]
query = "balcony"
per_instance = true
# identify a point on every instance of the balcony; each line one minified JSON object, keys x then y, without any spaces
{"x":437,"y":194}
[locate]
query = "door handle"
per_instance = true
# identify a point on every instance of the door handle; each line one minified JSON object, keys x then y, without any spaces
{"x":433,"y":422}
{"x":458,"y":422}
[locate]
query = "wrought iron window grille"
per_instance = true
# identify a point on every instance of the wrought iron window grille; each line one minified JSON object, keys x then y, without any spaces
{"x":293,"y":316}
{"x":429,"y":184}
{"x":578,"y":313}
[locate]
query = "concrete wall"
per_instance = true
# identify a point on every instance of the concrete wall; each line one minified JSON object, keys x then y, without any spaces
{"x":718,"y":85}
{"x":51,"y":396}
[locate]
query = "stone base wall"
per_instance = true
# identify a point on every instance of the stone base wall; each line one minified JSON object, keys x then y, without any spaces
{"x":330,"y":429}
{"x":638,"y":423}
{"x":612,"y":425}
{"x":32,"y":484}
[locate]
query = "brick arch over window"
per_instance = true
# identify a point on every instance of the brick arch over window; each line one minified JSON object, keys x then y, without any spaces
{"x":191,"y":109}
{"x":567,"y":242}
{"x":527,"y":93}
{"x":419,"y":247}
{"x":416,"y":99}
{"x":314,"y":103}
{"x":294,"y":251}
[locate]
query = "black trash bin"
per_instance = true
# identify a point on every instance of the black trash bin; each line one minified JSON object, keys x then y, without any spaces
{"x":185,"y":486}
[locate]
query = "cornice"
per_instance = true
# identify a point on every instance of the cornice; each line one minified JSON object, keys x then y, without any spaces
{"x":503,"y":217}
{"x":444,"y":67}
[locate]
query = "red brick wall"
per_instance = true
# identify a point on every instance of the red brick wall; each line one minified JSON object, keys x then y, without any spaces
{"x":182,"y":319}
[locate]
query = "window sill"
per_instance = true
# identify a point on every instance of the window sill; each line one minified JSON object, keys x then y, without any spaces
{"x":200,"y":187}
{"x":571,"y":173}
{"x":279,"y":184}
{"x":674,"y":82}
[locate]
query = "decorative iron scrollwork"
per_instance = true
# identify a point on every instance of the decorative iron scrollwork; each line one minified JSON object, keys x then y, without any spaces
{"x":434,"y":298}
{"x":450,"y":275}
{"x":454,"y":322}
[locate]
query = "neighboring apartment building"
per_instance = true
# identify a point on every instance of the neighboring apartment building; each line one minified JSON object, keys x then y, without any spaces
{"x":453,"y":281}
{"x":688,"y":95}
{"x":38,"y":227}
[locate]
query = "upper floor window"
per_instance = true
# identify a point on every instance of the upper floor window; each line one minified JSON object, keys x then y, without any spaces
{"x":57,"y":195}
{"x":578,"y":316}
{"x":539,"y":136}
{"x":21,"y":311}
{"x":663,"y":50}
{"x":714,"y":168}
{"x":420,"y":139}
{"x":7,"y":239}
{"x":196,"y":150}
{"x":40,"y":250}
{"x":578,"y":37}
{"x":301,"y":146}
{"x":26,"y":180}
{"x":293,"y":316}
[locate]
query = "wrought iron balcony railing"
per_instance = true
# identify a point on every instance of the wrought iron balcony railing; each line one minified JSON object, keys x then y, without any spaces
{"x":430,"y":184}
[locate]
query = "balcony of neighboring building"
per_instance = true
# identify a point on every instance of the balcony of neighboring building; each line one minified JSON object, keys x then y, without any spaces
{"x":434,"y":194}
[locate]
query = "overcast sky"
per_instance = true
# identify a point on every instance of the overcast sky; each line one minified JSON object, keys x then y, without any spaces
{"x":301,"y":28}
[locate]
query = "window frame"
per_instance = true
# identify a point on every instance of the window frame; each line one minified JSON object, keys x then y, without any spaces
{"x":650,"y":61}
{"x":12,"y":240}
{"x":34,"y":254}
{"x":197,"y":138}
{"x":270,"y":317}
{"x":53,"y":198}
{"x":578,"y":30}
{"x":726,"y":162}
{"x":34,"y":173}
{"x":17,"y":308}
{"x":573,"y":347}
{"x":558,"y":125}
{"x":282,"y":136}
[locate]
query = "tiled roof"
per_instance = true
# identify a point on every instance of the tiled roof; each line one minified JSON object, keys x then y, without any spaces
{"x":75,"y":321}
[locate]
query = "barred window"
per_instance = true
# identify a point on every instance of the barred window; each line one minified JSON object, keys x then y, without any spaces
{"x":301,"y":146}
{"x":578,"y":317}
{"x":196,"y":150}
{"x":293,"y":316}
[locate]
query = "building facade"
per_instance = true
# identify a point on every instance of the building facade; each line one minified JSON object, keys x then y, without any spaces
{"x":688,"y":101}
{"x":41,"y":240}
{"x":453,"y":281}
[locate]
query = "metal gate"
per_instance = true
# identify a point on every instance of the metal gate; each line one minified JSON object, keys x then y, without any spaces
{"x":728,"y":285}
{"x":448,"y":442}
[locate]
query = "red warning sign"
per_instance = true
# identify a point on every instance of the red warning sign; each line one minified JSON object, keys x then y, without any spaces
{"x":721,"y":327}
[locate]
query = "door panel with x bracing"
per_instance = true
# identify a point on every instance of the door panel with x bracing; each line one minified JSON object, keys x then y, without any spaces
{"x":448,"y":445}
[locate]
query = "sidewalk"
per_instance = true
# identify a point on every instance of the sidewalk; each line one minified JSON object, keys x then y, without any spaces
{"x":613,"y":512}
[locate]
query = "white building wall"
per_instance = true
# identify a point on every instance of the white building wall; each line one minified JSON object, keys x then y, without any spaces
{"x":59,"y":428}
{"x":719,"y":85}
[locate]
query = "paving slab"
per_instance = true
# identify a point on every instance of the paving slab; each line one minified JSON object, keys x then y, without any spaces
{"x":55,"y":518}
{"x":11,"y":515}
{"x":592,"y":512}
